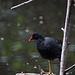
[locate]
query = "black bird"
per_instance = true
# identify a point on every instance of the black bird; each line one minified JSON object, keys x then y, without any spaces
{"x":48,"y":47}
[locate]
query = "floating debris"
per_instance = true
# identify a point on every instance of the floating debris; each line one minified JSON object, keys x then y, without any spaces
{"x":18,"y":24}
{"x":2,"y":38}
{"x":36,"y":60}
{"x":27,"y":30}
{"x":40,"y":17}
{"x":34,"y":18}
{"x":41,"y":22}
{"x":34,"y":67}
{"x":7,"y":64}
{"x":27,"y":63}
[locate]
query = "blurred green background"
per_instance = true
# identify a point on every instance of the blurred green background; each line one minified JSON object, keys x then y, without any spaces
{"x":46,"y":17}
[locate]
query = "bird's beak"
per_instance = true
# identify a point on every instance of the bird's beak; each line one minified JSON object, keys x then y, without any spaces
{"x":29,"y":39}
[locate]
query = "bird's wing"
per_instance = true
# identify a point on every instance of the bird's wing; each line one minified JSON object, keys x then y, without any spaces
{"x":59,"y":42}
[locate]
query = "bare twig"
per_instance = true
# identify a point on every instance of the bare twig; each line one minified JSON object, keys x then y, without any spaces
{"x":21,"y":4}
{"x":65,"y":38}
{"x":41,"y":70}
{"x":62,"y":29}
{"x":66,"y":70}
{"x":74,"y":2}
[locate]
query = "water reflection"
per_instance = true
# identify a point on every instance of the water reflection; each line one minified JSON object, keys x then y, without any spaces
{"x":17,"y":54}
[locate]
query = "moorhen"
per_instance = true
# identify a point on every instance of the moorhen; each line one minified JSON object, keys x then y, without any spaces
{"x":48,"y":47}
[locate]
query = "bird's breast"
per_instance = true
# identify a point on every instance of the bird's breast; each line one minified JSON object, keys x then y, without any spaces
{"x":48,"y":49}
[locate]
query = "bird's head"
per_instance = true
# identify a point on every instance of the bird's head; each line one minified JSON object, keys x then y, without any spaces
{"x":35,"y":36}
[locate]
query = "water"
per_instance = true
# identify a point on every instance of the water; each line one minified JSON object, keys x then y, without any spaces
{"x":17,"y":54}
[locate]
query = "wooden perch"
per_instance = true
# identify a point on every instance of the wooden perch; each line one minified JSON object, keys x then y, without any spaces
{"x":29,"y":74}
{"x":66,"y":70}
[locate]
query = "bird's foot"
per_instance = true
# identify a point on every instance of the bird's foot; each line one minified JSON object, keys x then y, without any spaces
{"x":52,"y":73}
{"x":47,"y":73}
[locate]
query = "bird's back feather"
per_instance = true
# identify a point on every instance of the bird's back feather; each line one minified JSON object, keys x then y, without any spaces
{"x":49,"y":48}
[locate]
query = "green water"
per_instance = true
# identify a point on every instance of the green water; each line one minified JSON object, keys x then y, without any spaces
{"x":46,"y":17}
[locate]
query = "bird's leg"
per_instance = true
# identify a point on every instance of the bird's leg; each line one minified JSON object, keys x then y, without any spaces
{"x":50,"y":71}
{"x":50,"y":67}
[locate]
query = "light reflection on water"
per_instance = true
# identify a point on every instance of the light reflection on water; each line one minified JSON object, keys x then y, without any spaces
{"x":72,"y":47}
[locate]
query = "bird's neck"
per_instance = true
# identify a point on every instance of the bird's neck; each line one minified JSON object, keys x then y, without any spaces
{"x":39,"y":41}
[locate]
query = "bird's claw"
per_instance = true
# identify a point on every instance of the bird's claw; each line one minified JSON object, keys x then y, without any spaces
{"x":47,"y":73}
{"x":52,"y":73}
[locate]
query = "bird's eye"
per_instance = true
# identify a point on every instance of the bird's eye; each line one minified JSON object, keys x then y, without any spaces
{"x":36,"y":36}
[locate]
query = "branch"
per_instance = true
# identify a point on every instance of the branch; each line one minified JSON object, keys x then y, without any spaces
{"x":65,"y":37}
{"x":66,"y":70}
{"x":74,"y":2}
{"x":62,"y":29}
{"x":41,"y":70}
{"x":21,"y":4}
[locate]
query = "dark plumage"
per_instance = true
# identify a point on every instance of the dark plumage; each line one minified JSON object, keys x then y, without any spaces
{"x":49,"y":48}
